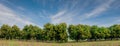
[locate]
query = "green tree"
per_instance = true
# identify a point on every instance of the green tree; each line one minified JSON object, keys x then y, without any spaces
{"x":26,"y":32}
{"x":115,"y":31}
{"x":94,"y":32}
{"x":6,"y":31}
{"x":86,"y":33}
{"x":80,"y":29}
{"x":38,"y":33}
{"x":77,"y":32}
{"x":31,"y":32}
{"x":15,"y":32}
{"x":74,"y":34}
{"x":61,"y":33}
{"x":49,"y":31}
{"x":103,"y":33}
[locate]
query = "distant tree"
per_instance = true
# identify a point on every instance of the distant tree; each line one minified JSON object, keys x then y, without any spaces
{"x":86,"y":33}
{"x":80,"y":30}
{"x":26,"y":32}
{"x":15,"y":32}
{"x":103,"y":33}
{"x":38,"y":33}
{"x":22,"y":35}
{"x":32,"y":32}
{"x":0,"y":32}
{"x":115,"y":31}
{"x":94,"y":32}
{"x":61,"y":32}
{"x":74,"y":34}
{"x":49,"y":31}
{"x":6,"y":31}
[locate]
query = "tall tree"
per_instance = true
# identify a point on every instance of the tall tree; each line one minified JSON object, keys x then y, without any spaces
{"x":94,"y":32}
{"x":6,"y":31}
{"x":26,"y":32}
{"x":103,"y":33}
{"x":38,"y":33}
{"x":31,"y":32}
{"x":61,"y":32}
{"x":50,"y":32}
{"x":80,"y":30}
{"x":74,"y":34}
{"x":115,"y":31}
{"x":86,"y":33}
{"x":15,"y":32}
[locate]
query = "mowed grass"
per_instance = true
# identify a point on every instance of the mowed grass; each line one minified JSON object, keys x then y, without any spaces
{"x":26,"y":43}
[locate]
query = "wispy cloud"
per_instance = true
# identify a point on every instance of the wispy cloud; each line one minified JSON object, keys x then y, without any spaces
{"x":21,"y":8}
{"x":8,"y":16}
{"x":57,"y":18}
{"x":98,"y":10}
{"x":59,"y":14}
{"x":66,"y":12}
{"x":70,"y":16}
{"x":63,"y":16}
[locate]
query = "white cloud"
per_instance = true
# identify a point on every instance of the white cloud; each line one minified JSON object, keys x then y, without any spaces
{"x":57,"y":17}
{"x":62,"y":16}
{"x":59,"y":14}
{"x":70,"y":11}
{"x":21,"y":8}
{"x":98,"y":10}
{"x":67,"y":12}
{"x":8,"y":16}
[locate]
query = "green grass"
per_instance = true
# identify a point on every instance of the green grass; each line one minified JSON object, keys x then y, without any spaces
{"x":30,"y":43}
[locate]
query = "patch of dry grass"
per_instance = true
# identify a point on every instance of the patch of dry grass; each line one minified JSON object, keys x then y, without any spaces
{"x":25,"y":43}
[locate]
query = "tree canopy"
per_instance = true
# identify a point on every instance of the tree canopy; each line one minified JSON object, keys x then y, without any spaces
{"x":60,"y":32}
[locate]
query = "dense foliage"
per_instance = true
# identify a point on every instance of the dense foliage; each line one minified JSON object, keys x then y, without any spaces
{"x":60,"y":32}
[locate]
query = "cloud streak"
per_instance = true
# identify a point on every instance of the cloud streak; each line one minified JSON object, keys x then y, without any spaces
{"x":70,"y":16}
{"x":8,"y":16}
{"x":68,"y":11}
{"x":98,"y":10}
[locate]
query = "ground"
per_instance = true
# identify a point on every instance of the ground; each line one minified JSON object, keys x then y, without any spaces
{"x":26,"y":43}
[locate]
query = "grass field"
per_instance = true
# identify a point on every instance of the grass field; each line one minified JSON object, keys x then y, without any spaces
{"x":25,"y":43}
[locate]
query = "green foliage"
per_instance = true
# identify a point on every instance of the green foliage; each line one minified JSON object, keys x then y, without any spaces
{"x":39,"y":33}
{"x":60,"y":32}
{"x":94,"y":32}
{"x":31,"y":32}
{"x":6,"y":31}
{"x":74,"y":34}
{"x":79,"y":32}
{"x":115,"y":31}
{"x":56,"y":32}
{"x":15,"y":32}
{"x":104,"y":32}
{"x":86,"y":32}
{"x":49,"y":31}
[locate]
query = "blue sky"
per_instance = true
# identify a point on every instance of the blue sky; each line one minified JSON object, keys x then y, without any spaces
{"x":39,"y":12}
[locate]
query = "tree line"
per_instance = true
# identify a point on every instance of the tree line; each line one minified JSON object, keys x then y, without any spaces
{"x":60,"y":32}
